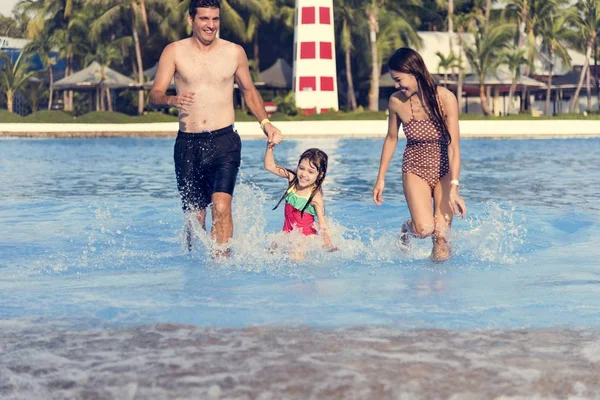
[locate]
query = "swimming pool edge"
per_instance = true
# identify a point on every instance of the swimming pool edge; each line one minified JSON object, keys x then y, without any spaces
{"x":309,"y":129}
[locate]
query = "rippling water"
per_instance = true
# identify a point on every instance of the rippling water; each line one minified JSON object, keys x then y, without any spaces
{"x":91,"y":241}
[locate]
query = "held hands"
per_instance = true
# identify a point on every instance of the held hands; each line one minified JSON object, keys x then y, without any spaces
{"x":457,"y":204}
{"x":183,"y":100}
{"x":378,"y":192}
{"x":274,"y":135}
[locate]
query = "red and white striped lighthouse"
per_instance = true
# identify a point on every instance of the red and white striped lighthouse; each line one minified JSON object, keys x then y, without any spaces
{"x":315,"y":75}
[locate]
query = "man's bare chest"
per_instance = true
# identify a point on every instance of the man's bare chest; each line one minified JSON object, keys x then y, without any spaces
{"x":216,"y":68}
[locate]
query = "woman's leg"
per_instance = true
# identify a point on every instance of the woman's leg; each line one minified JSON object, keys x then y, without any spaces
{"x":418,"y":197}
{"x":443,"y":219}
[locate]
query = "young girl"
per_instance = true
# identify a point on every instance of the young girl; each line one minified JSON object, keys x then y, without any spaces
{"x":304,"y":196}
{"x":431,"y":163}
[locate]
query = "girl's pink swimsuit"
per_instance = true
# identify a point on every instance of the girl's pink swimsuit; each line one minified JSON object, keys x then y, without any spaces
{"x":293,"y":217}
{"x":426,"y":153}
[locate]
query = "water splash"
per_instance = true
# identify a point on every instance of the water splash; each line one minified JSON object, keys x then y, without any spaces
{"x":495,"y":234}
{"x":142,"y":237}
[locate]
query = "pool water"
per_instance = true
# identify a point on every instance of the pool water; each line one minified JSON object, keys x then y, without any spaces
{"x":92,"y":232}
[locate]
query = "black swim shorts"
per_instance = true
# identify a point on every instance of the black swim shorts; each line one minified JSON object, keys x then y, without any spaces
{"x":206,"y":163}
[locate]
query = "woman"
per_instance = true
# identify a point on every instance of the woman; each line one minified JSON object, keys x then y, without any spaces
{"x":431,"y":164}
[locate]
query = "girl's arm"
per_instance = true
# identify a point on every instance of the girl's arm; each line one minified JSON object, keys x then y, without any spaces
{"x":451,"y":108}
{"x":272,"y":167}
{"x":389,"y":147}
{"x":317,"y":202}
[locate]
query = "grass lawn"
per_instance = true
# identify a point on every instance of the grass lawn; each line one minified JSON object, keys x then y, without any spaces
{"x":107,"y":117}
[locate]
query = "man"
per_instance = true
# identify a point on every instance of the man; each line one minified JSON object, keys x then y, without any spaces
{"x":207,"y":149}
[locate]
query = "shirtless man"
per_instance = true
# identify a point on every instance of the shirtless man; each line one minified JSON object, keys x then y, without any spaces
{"x":207,"y":149}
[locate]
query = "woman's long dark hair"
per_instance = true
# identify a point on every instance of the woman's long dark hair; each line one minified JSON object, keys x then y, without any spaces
{"x":408,"y":61}
{"x":318,"y":158}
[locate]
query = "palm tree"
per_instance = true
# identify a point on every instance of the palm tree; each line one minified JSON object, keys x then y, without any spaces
{"x":372,"y":10}
{"x":346,"y":15}
{"x":488,"y":12}
{"x":132,"y":13}
{"x":520,"y":9}
{"x":446,"y":63}
{"x":555,"y":33}
{"x":588,"y":23}
{"x":530,"y":15}
{"x":400,"y":14}
{"x":104,"y":54}
{"x":262,"y":13}
{"x":464,"y":23}
{"x":14,"y":77}
{"x":514,"y":58}
{"x":485,"y":55}
{"x":35,"y":91}
{"x":44,"y":46}
{"x":52,"y":18}
{"x":450,"y":23}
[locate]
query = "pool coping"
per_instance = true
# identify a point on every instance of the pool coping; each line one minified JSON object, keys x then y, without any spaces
{"x":495,"y":129}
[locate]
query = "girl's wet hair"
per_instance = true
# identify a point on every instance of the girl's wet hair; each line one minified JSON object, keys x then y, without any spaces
{"x":318,"y":159}
{"x":408,"y":61}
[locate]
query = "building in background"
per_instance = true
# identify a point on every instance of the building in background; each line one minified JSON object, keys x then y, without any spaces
{"x":315,"y":73}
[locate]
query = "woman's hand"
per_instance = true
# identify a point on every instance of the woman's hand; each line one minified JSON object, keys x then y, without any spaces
{"x":378,"y":192}
{"x":457,"y":204}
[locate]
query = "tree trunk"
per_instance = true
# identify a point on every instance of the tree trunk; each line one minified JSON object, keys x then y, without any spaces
{"x":256,"y":52}
{"x":351,"y":97}
{"x":102,"y":99}
{"x":66,"y":93}
{"x":548,"y":93}
{"x":450,"y":24}
{"x":108,"y":99}
{"x":596,"y":73}
{"x":459,"y":90}
{"x":375,"y":68}
{"x":144,"y":16}
{"x":482,"y":97}
{"x":9,"y":100}
{"x":588,"y":88}
{"x":459,"y":85}
{"x":140,"y":72}
{"x":527,"y":29}
{"x":70,"y":92}
{"x":511,"y":93}
{"x":575,"y":100}
{"x":51,"y":77}
{"x":488,"y":11}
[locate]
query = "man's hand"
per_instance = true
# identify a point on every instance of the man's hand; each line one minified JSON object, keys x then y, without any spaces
{"x":274,"y":135}
{"x":183,"y":100}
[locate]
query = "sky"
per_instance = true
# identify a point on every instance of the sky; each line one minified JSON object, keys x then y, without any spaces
{"x":6,"y":7}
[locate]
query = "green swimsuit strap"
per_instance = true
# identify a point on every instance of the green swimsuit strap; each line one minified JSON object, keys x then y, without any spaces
{"x":298,"y":202}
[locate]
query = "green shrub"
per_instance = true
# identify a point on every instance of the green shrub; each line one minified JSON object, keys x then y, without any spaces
{"x":6,"y":116}
{"x":49,"y":117}
{"x":286,"y":105}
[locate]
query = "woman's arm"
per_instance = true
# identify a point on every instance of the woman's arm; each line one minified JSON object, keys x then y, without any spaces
{"x":271,"y":166}
{"x":450,"y":105}
{"x":451,"y":108}
{"x":389,"y":147}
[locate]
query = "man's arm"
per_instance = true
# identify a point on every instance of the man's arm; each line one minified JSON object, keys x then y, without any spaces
{"x":162,"y":80}
{"x":253,"y":99}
